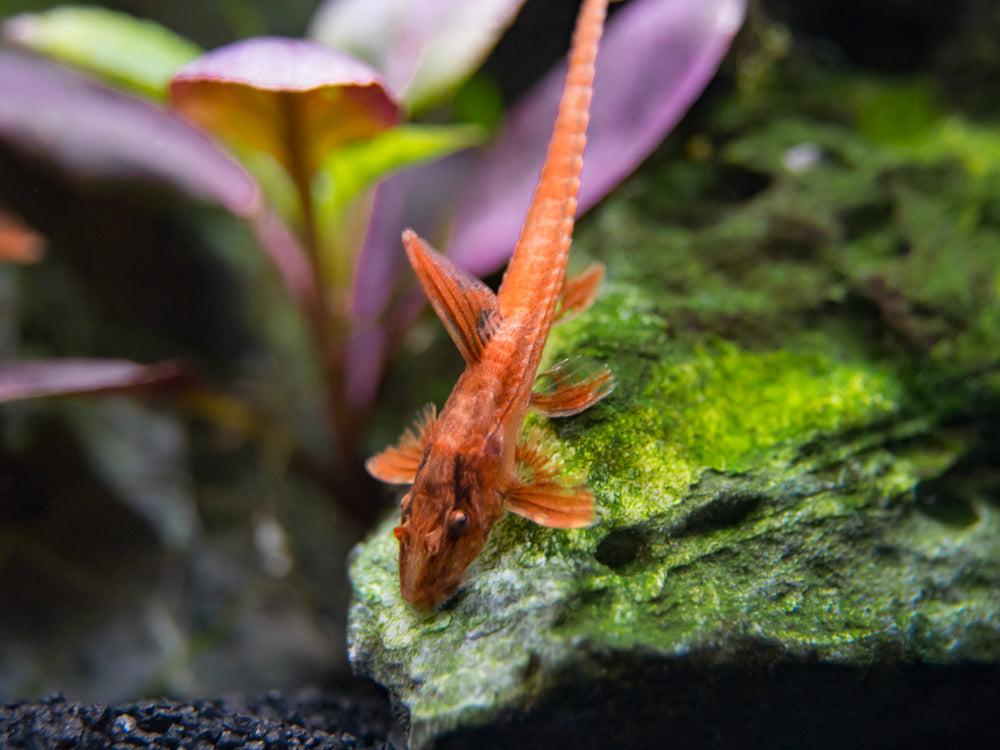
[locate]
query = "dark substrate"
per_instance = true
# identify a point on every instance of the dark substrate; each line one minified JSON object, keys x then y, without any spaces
{"x":356,"y":716}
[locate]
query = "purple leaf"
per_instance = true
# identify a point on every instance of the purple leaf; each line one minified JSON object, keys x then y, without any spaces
{"x":52,"y":377}
{"x":655,"y":59}
{"x":422,"y":48}
{"x":93,"y":131}
{"x":294,"y":99}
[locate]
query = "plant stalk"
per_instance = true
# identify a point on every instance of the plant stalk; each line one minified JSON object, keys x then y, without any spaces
{"x":329,"y":328}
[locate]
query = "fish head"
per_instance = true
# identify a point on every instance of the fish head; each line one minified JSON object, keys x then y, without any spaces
{"x":446,"y":518}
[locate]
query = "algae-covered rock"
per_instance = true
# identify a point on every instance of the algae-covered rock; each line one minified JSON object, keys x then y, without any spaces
{"x":799,"y":526}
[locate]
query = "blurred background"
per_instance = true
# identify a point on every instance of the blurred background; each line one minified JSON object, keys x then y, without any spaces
{"x":191,"y":543}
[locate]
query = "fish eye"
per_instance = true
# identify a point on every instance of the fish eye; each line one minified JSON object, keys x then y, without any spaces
{"x":458,"y":522}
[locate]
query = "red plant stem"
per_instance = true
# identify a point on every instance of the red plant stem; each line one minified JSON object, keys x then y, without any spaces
{"x":328,"y":327}
{"x":301,"y":174}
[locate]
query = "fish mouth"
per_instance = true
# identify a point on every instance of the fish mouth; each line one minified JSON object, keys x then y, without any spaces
{"x":431,"y":598}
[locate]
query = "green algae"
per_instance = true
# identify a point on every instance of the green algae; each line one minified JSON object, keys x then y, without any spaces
{"x":726,"y":409}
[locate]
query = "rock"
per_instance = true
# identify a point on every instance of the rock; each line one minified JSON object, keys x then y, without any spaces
{"x":799,"y":539}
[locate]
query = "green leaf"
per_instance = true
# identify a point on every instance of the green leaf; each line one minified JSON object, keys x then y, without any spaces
{"x":349,"y":170}
{"x":138,"y":55}
{"x":479,"y":101}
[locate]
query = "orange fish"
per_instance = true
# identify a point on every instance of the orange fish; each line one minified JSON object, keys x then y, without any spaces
{"x":469,"y":463}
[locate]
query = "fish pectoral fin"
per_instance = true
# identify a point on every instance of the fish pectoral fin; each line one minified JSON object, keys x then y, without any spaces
{"x":398,"y":464}
{"x":552,"y":504}
{"x":467,"y":307}
{"x":579,"y":292}
{"x":542,"y":496}
{"x":395,"y":465}
{"x":570,"y":386}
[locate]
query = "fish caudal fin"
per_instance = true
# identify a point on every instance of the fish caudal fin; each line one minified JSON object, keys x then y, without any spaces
{"x":536,"y":274}
{"x":398,"y":463}
{"x":540,"y":495}
{"x":467,"y":307}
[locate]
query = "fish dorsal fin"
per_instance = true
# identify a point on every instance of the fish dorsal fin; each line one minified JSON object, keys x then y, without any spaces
{"x":467,"y":307}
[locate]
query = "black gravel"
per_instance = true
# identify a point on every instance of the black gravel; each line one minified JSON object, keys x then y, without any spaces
{"x":356,"y":717}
